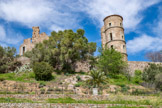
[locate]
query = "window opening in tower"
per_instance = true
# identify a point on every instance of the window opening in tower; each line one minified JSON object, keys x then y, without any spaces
{"x":111,"y":38}
{"x":109,"y":24}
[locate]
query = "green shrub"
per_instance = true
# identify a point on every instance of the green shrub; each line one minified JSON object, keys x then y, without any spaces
{"x":78,"y":84}
{"x":2,"y":79}
{"x":138,"y":77}
{"x":153,"y":75}
{"x":158,"y":81}
{"x":41,"y":84}
{"x":141,"y":92}
{"x":78,"y":78}
{"x":43,"y":71}
{"x":125,"y":89}
{"x":150,"y":72}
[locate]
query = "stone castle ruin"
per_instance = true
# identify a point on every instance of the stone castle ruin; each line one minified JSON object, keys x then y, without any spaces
{"x":112,"y":35}
{"x":29,"y":43}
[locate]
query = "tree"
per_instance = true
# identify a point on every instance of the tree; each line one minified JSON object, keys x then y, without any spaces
{"x":150,"y":72}
{"x":158,"y":81}
{"x":97,"y":78}
{"x":63,"y":49}
{"x":43,"y":71}
{"x":110,"y":62}
{"x":154,"y":56}
{"x":7,"y":62}
{"x":153,"y":75}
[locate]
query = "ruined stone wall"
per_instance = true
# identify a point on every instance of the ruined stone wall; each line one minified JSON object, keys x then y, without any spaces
{"x":82,"y":66}
{"x":23,"y":60}
{"x":26,"y":46}
{"x":30,"y":43}
{"x":138,"y":65}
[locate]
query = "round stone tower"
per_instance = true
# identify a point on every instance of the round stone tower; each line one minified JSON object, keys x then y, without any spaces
{"x":112,"y":34}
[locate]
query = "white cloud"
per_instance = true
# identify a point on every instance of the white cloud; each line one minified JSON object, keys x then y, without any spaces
{"x":9,"y":37}
{"x":145,"y":42}
{"x":129,"y":9}
{"x":64,"y":14}
{"x":44,"y":13}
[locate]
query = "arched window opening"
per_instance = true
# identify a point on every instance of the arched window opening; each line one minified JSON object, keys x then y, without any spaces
{"x":122,"y":37}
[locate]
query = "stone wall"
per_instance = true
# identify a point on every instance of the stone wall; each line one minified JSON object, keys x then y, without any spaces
{"x":40,"y":98}
{"x":48,"y":105}
{"x":138,"y":65}
{"x":29,"y":43}
{"x":82,"y":66}
{"x":23,"y":60}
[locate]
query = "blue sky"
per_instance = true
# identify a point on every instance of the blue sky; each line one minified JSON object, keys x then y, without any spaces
{"x":142,"y":21}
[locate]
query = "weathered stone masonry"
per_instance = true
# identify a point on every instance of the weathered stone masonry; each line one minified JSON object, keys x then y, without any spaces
{"x":29,"y":43}
{"x":112,"y":34}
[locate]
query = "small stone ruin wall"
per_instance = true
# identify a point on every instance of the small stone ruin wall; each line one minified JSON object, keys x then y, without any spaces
{"x":138,"y":65}
{"x":30,"y":43}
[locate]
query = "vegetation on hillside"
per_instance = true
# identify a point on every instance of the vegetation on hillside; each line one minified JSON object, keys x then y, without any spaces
{"x":7,"y":63}
{"x":97,"y":78}
{"x":153,"y":75}
{"x":43,"y":71}
{"x":60,"y":53}
{"x":63,"y":50}
{"x":110,"y":62}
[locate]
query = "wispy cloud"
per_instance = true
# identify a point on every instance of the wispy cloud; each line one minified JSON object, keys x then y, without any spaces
{"x":145,"y":42}
{"x":64,"y":14}
{"x":129,"y":9}
{"x":44,"y":13}
{"x":9,"y":37}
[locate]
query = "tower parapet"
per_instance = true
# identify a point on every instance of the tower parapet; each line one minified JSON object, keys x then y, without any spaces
{"x":112,"y":34}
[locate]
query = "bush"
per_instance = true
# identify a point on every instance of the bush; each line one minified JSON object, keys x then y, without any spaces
{"x":2,"y":79}
{"x":150,"y":72}
{"x":78,"y":84}
{"x":124,"y":89}
{"x":78,"y":78}
{"x":110,"y":62}
{"x":153,"y":75}
{"x":140,"y":92}
{"x":158,"y":81}
{"x":43,"y":71}
{"x":138,"y":77}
